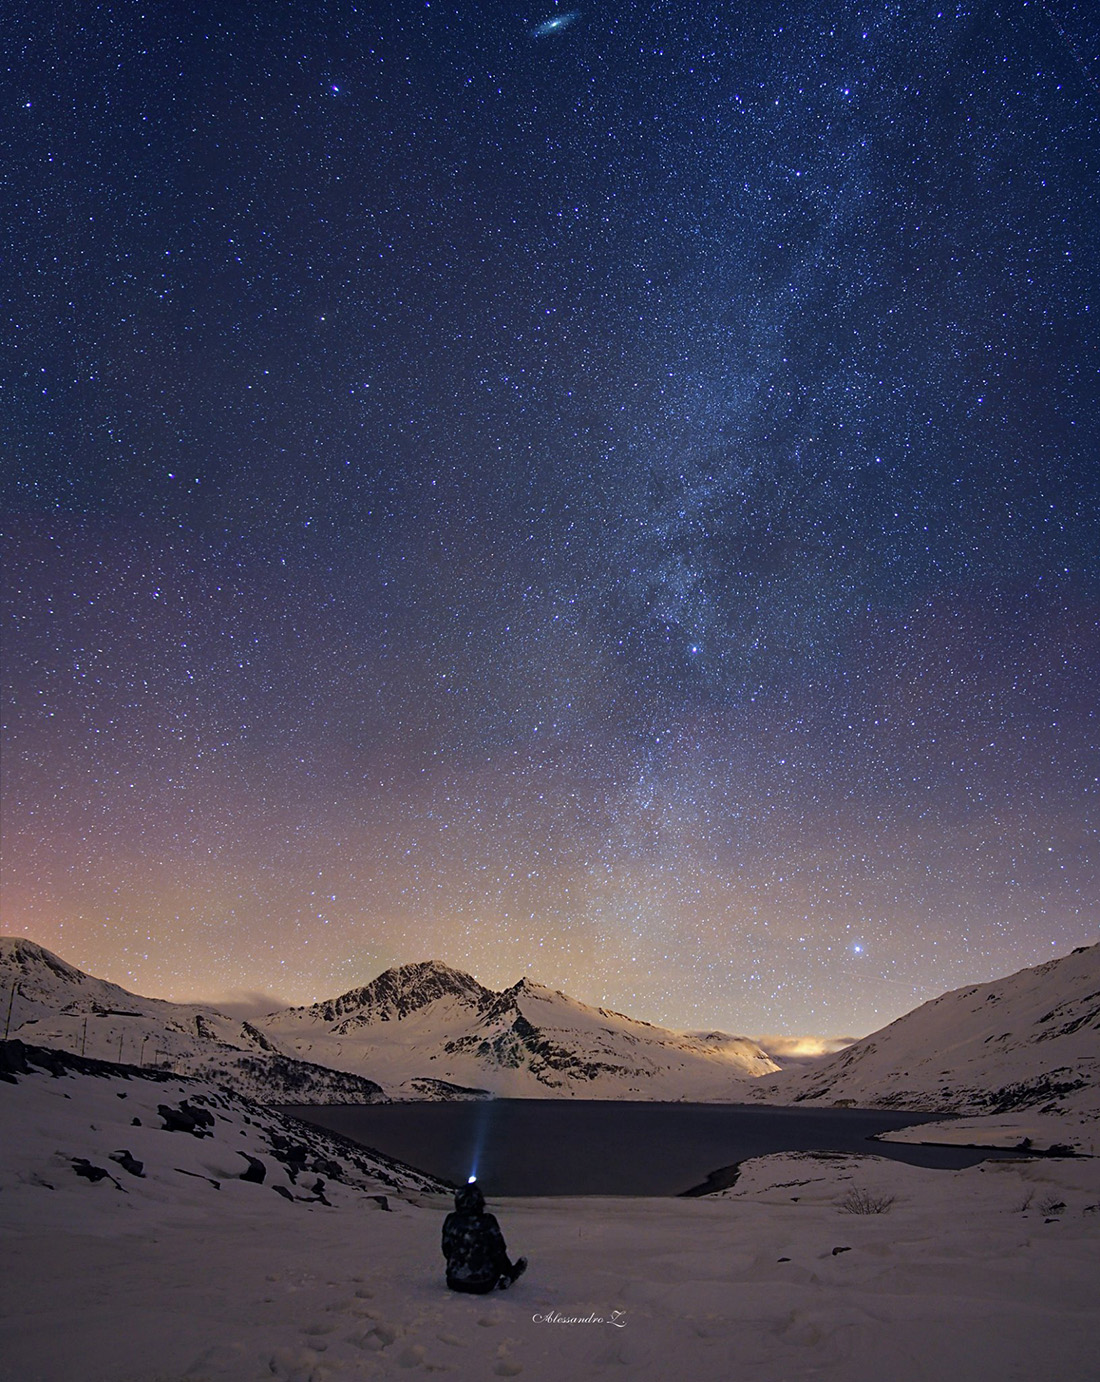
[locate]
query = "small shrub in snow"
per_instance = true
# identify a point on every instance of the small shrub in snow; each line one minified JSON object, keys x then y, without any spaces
{"x":1051,"y":1205}
{"x":863,"y":1202}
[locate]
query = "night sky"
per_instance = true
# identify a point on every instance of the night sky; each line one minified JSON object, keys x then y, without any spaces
{"x":611,"y":500}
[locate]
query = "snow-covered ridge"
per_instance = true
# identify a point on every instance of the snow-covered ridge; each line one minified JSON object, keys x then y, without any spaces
{"x":427,"y":1020}
{"x":58,"y":1005}
{"x":395,"y":994}
{"x":416,"y":1031}
{"x":1027,"y":1042}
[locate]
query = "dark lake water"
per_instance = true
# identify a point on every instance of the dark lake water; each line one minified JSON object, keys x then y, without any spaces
{"x":598,"y":1147}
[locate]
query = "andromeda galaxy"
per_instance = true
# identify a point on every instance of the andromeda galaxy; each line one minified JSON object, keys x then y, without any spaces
{"x":555,"y":24}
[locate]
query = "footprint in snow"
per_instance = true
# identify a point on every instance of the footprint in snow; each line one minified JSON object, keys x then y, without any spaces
{"x":375,"y":1339}
{"x":505,"y":1365}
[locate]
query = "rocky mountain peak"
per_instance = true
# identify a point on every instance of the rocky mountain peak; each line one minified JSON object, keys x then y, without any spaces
{"x":400,"y":991}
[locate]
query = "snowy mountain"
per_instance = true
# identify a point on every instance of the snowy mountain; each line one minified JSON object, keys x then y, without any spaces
{"x":397,"y":993}
{"x":1027,"y":1042}
{"x":420,"y":1030}
{"x":58,"y":1005}
{"x":1030,"y":1042}
{"x":529,"y":1041}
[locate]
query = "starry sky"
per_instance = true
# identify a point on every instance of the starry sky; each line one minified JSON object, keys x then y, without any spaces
{"x":603,"y":494}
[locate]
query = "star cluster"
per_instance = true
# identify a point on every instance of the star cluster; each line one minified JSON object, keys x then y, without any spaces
{"x":620,"y":507}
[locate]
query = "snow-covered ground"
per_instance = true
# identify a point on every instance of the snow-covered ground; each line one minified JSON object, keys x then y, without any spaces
{"x":989,"y":1273}
{"x":247,"y":1247}
{"x":1028,"y":1129}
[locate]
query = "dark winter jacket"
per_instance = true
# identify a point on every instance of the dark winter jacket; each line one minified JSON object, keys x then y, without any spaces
{"x":473,"y":1243}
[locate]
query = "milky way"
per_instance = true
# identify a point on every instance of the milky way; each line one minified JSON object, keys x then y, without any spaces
{"x":620,"y":509}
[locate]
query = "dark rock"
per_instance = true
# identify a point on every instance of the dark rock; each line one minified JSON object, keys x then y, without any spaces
{"x":13,"y":1061}
{"x":257,"y":1171}
{"x":282,"y":1190}
{"x":292,"y":1154}
{"x":83,"y":1167}
{"x":301,"y":1081}
{"x":17,"y":1057}
{"x":129,"y":1163}
{"x":1053,"y":1085}
{"x":186,"y":1118}
{"x":399,"y":992}
{"x":838,"y":1251}
{"x":444,"y":1089}
{"x":254,"y":1034}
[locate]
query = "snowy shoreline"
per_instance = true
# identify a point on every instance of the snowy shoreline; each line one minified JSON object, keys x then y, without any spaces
{"x":181,"y":1264}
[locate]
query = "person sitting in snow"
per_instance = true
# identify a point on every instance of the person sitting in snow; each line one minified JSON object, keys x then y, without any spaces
{"x":477,"y":1258}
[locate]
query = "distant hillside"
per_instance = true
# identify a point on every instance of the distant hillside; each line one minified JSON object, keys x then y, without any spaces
{"x":1030,"y":1041}
{"x":528,"y":1041}
{"x":58,"y":1005}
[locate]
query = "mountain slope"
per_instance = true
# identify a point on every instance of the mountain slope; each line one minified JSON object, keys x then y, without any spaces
{"x":422,"y":1030}
{"x":72,"y":1123}
{"x":58,"y":1005}
{"x":1029,"y":1041}
{"x":527,"y":1041}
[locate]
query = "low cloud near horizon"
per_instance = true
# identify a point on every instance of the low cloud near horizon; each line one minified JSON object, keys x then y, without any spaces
{"x":802,"y":1050}
{"x":245,"y":1004}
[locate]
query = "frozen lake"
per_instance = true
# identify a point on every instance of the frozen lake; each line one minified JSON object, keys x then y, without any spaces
{"x":600,"y":1147}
